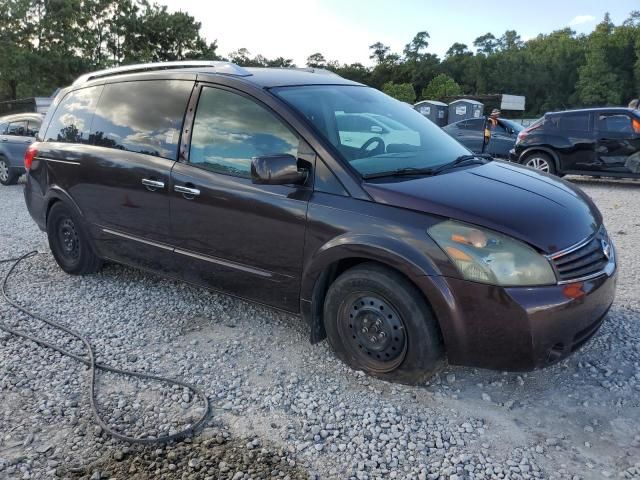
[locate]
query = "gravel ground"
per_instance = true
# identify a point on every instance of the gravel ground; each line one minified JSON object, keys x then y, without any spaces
{"x":285,"y":409}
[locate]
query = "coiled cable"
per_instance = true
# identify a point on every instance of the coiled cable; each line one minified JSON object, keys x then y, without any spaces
{"x":90,"y":362}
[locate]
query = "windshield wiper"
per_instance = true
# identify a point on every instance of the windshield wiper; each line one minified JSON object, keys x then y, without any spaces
{"x":399,"y":172}
{"x":463,"y":160}
{"x":430,"y":171}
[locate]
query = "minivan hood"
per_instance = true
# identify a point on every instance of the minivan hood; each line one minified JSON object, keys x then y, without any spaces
{"x":544,"y":211}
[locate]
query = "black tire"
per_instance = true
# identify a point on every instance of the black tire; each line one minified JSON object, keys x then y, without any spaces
{"x":69,"y":242}
{"x":540,"y":161}
{"x":372,"y":297}
{"x":8,"y":176}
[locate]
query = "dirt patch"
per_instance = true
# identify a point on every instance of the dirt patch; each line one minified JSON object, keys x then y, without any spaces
{"x":216,"y":458}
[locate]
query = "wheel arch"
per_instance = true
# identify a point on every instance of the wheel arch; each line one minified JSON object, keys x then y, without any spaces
{"x":547,"y":150}
{"x":339,"y":255}
{"x":58,"y":194}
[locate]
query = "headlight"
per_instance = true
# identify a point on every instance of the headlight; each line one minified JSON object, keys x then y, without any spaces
{"x":488,"y":257}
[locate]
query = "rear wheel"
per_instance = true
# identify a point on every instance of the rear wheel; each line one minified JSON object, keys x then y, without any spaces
{"x":540,"y":161}
{"x":378,"y":322}
{"x":69,"y":242}
{"x":7,"y":175}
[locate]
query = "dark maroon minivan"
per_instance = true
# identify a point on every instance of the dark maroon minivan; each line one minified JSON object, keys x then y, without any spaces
{"x":319,"y":196}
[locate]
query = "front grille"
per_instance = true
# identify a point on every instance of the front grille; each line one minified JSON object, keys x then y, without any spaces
{"x":586,"y":260}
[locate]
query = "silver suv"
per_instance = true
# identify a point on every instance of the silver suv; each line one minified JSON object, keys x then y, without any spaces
{"x":17,"y":132}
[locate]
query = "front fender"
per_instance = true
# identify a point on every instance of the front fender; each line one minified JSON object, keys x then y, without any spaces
{"x":397,"y":254}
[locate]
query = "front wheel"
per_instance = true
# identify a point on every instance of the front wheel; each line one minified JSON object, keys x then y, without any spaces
{"x":540,"y":161}
{"x":7,"y":175}
{"x":378,"y":322}
{"x":69,"y":242}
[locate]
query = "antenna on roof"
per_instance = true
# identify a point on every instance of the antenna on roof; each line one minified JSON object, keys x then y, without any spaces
{"x":226,"y":68}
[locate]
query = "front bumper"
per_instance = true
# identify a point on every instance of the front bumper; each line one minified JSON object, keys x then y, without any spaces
{"x":513,"y":157}
{"x":518,"y":329}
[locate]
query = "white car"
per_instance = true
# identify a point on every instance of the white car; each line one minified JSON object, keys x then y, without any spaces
{"x":356,"y":129}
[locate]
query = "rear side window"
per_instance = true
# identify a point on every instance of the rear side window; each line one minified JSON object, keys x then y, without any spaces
{"x":614,"y":123}
{"x":574,"y":121}
{"x":230,"y":129}
{"x":72,"y":119}
{"x":142,"y":117}
{"x":18,"y":129}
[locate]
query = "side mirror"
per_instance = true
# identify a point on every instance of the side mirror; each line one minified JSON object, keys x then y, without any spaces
{"x":279,"y":169}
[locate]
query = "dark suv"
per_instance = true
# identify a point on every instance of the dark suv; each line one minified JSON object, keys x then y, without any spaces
{"x":403,"y":250}
{"x":597,"y":141}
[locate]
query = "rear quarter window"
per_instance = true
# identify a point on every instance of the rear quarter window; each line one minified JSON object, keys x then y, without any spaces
{"x":71,"y":121}
{"x":573,"y":121}
{"x":142,"y":117}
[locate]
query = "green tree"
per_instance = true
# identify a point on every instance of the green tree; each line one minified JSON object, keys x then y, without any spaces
{"x":601,"y":80}
{"x":486,"y":43}
{"x":414,"y":50}
{"x":400,"y":91}
{"x":441,"y":87}
{"x":379,"y":52}
{"x":316,"y":60}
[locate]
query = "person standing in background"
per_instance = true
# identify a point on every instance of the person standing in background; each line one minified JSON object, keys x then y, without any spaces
{"x":490,"y":124}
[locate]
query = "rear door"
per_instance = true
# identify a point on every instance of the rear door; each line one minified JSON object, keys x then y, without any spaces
{"x":231,"y":234}
{"x":618,"y":149}
{"x":503,"y":138}
{"x":573,"y":137}
{"x":121,"y":180}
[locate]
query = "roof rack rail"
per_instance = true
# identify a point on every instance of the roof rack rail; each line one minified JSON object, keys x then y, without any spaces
{"x":320,"y":71}
{"x":226,"y":68}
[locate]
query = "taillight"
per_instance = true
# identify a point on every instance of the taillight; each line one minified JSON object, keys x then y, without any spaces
{"x":522,"y":135}
{"x":29,"y":155}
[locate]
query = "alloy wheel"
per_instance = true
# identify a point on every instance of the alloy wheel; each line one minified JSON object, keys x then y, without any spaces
{"x":538,"y":163}
{"x":373,"y":331}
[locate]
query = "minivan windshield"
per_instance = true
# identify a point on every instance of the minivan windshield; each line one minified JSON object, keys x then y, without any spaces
{"x":373,"y":132}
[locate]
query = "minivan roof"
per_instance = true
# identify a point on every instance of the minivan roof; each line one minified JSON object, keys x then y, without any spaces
{"x":262,"y":77}
{"x":281,"y":77}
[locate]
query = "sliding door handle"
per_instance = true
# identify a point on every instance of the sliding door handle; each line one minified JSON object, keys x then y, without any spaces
{"x":187,"y":191}
{"x":152,"y":184}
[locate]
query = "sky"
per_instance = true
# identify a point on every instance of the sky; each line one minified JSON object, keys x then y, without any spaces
{"x":343,"y":29}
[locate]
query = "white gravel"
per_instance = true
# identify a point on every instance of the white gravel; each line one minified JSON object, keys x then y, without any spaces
{"x":286,"y":409}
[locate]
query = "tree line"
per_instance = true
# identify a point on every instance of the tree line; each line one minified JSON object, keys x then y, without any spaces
{"x":45,"y":44}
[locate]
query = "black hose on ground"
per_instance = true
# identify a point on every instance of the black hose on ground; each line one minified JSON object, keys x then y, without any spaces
{"x":94,"y":366}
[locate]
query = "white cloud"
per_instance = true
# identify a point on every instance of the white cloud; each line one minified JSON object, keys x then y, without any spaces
{"x":289,"y":28}
{"x":581,"y":20}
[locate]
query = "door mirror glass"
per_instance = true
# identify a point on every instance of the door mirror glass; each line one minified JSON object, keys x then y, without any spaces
{"x":376,"y":129}
{"x":281,"y":169}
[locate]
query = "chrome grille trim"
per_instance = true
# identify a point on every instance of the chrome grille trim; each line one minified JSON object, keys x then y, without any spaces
{"x":590,"y":261}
